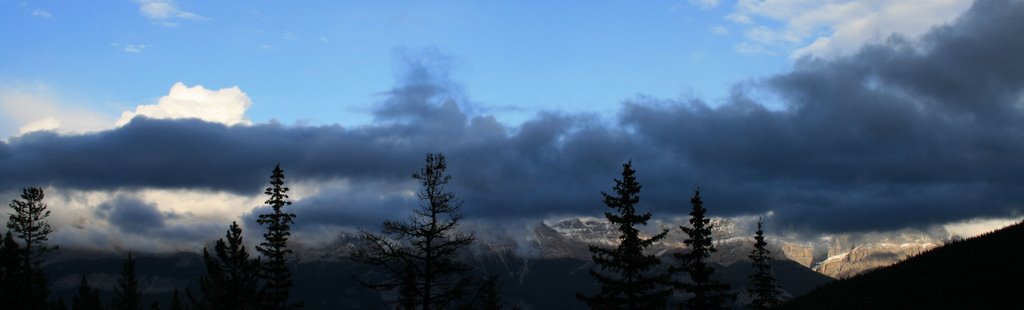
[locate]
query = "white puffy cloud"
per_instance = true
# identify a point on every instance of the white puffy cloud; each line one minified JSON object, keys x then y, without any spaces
{"x":29,"y":108}
{"x":25,"y":109}
{"x":226,"y":105}
{"x":829,"y":28}
{"x":48,"y":123}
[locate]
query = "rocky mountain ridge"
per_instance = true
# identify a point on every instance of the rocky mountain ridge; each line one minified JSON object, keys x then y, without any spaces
{"x":834,"y":255}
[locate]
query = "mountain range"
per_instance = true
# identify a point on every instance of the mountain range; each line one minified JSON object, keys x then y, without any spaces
{"x":982,"y":272}
{"x":541,"y":268}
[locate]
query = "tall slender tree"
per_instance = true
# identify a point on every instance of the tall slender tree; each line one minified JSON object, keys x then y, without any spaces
{"x":490,"y":296}
{"x":231,"y":276}
{"x":763,"y":288}
{"x":176,"y":303}
{"x":421,"y":255}
{"x":28,"y":222}
{"x":707,"y":293}
{"x":59,"y":304}
{"x":127,"y":295}
{"x":11,"y":269}
{"x":87,"y":298}
{"x":626,"y":274}
{"x":274,"y":272}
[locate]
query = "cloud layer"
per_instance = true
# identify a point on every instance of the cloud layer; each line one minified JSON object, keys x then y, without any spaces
{"x":901,"y":133}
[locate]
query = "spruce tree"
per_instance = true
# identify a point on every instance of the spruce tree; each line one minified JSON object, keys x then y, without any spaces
{"x":707,"y":292}
{"x":627,"y":276}
{"x":421,"y":255}
{"x":274,"y":272}
{"x":176,"y":303}
{"x":10,"y":272}
{"x":59,"y":305}
{"x":763,"y":289}
{"x":408,"y":297}
{"x":87,"y":298}
{"x":126,"y":292}
{"x":490,"y":297}
{"x":28,"y":222}
{"x":231,"y":276}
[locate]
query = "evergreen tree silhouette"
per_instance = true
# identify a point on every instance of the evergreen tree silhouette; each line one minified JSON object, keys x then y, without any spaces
{"x":11,"y":269}
{"x":707,"y":292}
{"x":490,"y":297}
{"x":176,"y":303}
{"x":126,"y":292}
{"x":408,"y":295}
{"x":87,"y":298}
{"x":274,"y":272}
{"x":421,"y":255}
{"x":28,"y":222}
{"x":625,"y":273}
{"x":59,"y":305}
{"x":231,"y":277}
{"x":764,"y":290}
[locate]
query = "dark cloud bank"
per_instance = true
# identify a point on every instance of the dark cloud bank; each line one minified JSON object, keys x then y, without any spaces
{"x":902,"y":133}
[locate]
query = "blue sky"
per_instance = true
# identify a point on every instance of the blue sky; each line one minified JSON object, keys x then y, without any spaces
{"x":325,"y":63}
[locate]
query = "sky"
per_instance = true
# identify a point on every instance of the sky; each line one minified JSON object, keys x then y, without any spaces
{"x":160,"y":121}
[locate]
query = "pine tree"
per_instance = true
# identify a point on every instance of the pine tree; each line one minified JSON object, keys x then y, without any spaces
{"x":763,"y":290}
{"x":274,"y":272}
{"x":421,"y":255}
{"x":87,"y":298}
{"x":231,"y":277}
{"x":10,"y":272}
{"x":625,"y":273}
{"x":126,"y":292}
{"x":707,"y":292}
{"x":28,"y":222}
{"x":490,"y":298}
{"x":176,"y":303}
{"x":408,"y":298}
{"x":59,"y":305}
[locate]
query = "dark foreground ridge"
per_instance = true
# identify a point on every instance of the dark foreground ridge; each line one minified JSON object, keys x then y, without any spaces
{"x":984,"y":272}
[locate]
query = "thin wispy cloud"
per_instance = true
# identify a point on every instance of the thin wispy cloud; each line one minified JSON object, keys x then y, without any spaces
{"x":704,"y":4}
{"x":720,"y":30}
{"x":132,"y":48}
{"x":165,"y":12}
{"x":42,"y":13}
{"x":835,"y":27}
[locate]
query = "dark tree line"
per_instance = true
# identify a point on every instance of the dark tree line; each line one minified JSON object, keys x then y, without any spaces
{"x":233,"y":279}
{"x":422,"y":258}
{"x":631,"y":279}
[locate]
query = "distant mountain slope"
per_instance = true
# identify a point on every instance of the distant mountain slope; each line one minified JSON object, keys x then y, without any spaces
{"x":532,"y":283}
{"x":984,"y":272}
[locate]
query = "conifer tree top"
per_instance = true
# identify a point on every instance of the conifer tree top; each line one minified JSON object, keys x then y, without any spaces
{"x":626,"y":274}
